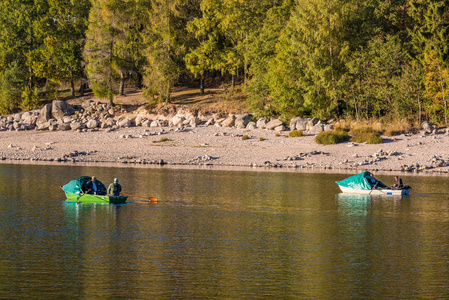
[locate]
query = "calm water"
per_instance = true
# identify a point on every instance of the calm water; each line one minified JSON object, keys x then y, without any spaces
{"x":220,"y":234}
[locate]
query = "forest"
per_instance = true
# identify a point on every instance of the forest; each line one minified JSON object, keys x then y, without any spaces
{"x":321,"y":58}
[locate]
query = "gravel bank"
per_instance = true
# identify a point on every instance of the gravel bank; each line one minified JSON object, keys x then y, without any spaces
{"x":217,"y":146}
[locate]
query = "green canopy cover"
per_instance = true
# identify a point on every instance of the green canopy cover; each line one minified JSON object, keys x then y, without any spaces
{"x":75,"y":186}
{"x":357,"y":182}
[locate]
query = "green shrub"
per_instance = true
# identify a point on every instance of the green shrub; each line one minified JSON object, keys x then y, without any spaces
{"x":278,"y":134}
{"x":332,"y":137}
{"x":361,"y":130}
{"x":295,"y":133}
{"x":262,"y":139}
{"x":365,"y":135}
{"x":368,"y":137}
{"x":391,"y":132}
{"x":30,"y":99}
{"x":102,"y":91}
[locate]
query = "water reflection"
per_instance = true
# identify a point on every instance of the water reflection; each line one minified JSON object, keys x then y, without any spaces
{"x":220,"y":234}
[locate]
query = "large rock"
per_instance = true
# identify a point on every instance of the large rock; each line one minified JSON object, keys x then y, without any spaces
{"x":25,"y":115}
{"x":316,"y":129}
{"x":243,"y":118}
{"x":251,"y":125}
{"x":273,"y":124}
{"x":59,"y":109}
{"x":92,"y":123}
{"x":279,"y":128}
{"x":229,"y":122}
{"x":45,"y":114}
{"x":298,"y":123}
{"x":312,"y":123}
{"x":194,"y":121}
{"x":138,"y":121}
{"x":109,"y":122}
{"x":124,"y":123}
{"x":75,"y":125}
{"x":261,"y":123}
{"x":43,"y":125}
{"x":427,"y":127}
{"x":178,"y":120}
{"x":64,"y":127}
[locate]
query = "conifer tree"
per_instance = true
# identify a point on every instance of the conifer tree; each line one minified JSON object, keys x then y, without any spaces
{"x":17,"y":40}
{"x":62,"y":30}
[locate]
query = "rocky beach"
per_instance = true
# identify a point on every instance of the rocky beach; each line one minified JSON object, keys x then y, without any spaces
{"x":95,"y":133}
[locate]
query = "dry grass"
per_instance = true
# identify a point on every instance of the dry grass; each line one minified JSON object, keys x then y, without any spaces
{"x":389,"y":128}
{"x":397,"y":127}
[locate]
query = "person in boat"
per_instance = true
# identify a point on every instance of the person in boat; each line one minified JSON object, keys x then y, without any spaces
{"x":92,"y":187}
{"x":374,"y":182}
{"x":114,"y":188}
{"x":399,"y":185}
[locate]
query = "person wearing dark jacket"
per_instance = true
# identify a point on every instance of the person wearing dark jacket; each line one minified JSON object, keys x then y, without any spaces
{"x":398,"y":183}
{"x":114,"y":188}
{"x":91,"y":186}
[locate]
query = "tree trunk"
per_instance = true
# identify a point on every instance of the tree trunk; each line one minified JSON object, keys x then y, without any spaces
{"x":419,"y":111}
{"x":245,"y":71}
{"x":444,"y":97}
{"x":202,"y":83}
{"x":233,"y":81}
{"x":122,"y":83}
{"x":167,"y":97}
{"x":72,"y":88}
{"x":82,"y":88}
{"x":139,"y":80}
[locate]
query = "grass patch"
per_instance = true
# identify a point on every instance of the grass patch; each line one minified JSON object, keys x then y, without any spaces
{"x":295,"y":133}
{"x":245,"y":137}
{"x":332,"y":137}
{"x":397,"y":127}
{"x":372,"y":137}
{"x":365,"y":135}
{"x":362,"y":130}
{"x":163,"y":140}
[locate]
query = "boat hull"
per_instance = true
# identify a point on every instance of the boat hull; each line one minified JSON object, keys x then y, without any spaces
{"x":386,"y":192}
{"x":87,"y":198}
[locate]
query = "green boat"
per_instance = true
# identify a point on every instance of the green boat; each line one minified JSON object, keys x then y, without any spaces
{"x":74,"y":192}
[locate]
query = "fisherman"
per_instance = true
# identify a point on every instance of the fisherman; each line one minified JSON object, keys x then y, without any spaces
{"x":372,"y":181}
{"x":91,"y":186}
{"x":398,"y":183}
{"x":114,"y":188}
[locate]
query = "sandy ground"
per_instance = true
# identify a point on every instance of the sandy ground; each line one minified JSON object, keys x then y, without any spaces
{"x":218,"y":146}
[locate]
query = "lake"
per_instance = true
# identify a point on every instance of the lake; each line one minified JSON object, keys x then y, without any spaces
{"x":220,"y":234}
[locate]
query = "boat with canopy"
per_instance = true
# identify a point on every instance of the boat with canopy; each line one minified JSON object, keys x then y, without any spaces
{"x":359,"y":184}
{"x":74,"y":191}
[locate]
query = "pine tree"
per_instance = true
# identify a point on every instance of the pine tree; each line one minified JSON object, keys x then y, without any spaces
{"x":62,"y":30}
{"x":17,"y":40}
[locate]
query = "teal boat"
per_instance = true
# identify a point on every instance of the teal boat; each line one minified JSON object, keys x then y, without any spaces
{"x":358,"y":184}
{"x":74,"y":193}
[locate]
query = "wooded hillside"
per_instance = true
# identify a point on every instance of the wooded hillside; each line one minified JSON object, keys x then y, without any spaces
{"x":321,"y":58}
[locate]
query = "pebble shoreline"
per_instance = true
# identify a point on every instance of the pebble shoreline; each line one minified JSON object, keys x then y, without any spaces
{"x":101,"y":135}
